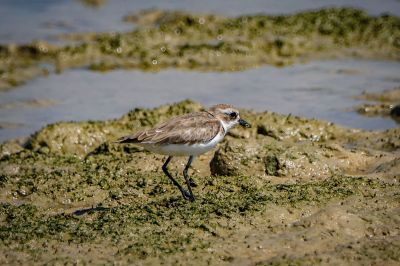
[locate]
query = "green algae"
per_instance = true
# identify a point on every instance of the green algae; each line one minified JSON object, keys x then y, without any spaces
{"x":211,"y":43}
{"x":151,"y":227}
{"x":19,"y":63}
{"x":68,"y":195}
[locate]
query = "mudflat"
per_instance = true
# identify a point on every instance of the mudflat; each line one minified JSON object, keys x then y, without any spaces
{"x":289,"y":191}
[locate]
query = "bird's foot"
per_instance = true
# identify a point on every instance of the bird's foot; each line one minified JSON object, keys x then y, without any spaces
{"x":187,"y":195}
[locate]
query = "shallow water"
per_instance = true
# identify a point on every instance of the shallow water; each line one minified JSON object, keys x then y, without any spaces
{"x":22,"y":21}
{"x":321,"y":89}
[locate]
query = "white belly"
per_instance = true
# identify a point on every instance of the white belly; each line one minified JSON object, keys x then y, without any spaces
{"x":184,"y":149}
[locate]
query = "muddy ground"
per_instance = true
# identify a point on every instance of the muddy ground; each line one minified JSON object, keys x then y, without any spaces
{"x":208,"y":42}
{"x":289,"y":191}
{"x":386,"y":104}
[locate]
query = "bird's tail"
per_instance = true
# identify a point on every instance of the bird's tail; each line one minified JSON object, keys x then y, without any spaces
{"x":127,"y":139}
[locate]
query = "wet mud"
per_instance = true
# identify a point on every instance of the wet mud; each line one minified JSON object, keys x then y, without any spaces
{"x":289,"y":191}
{"x":385,"y":104}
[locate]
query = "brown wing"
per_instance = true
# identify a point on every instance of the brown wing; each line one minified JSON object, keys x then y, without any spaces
{"x":186,"y":129}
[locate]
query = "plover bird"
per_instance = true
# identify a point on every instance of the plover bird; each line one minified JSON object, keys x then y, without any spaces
{"x":188,"y":135}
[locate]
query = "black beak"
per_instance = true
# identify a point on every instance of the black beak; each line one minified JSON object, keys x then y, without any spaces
{"x":244,"y":123}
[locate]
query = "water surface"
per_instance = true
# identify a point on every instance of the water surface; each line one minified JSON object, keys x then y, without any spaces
{"x":320,"y":89}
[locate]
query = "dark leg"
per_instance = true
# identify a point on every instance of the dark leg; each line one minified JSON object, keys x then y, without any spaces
{"x":185,"y":194}
{"x":185,"y":174}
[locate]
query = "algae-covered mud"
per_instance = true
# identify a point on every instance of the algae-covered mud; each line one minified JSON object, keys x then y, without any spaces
{"x":290,"y":191}
{"x":210,"y":43}
{"x":386,"y":103}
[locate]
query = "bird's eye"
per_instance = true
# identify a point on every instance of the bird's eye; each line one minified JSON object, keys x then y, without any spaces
{"x":233,"y":115}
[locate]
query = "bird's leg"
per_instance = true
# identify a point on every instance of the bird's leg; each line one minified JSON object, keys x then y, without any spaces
{"x":185,"y":174}
{"x":185,"y":194}
{"x":192,"y":182}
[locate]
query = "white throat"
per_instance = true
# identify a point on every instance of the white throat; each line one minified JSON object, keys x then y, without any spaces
{"x":227,"y":125}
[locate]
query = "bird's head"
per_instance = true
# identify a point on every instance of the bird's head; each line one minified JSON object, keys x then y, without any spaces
{"x":228,"y":115}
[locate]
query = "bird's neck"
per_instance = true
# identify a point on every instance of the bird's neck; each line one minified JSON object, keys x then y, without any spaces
{"x":226,"y":125}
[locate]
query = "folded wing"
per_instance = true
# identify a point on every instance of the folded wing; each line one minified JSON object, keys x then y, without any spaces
{"x":187,"y":129}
